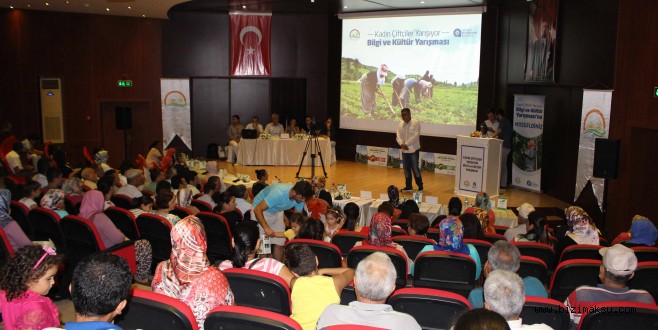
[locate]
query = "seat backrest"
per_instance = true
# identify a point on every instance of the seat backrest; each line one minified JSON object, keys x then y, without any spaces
{"x":402,"y":223}
{"x":434,"y":233}
{"x":247,"y":318}
{"x":180,"y":211}
{"x":345,"y":240}
{"x":643,"y":253}
{"x":397,"y":231}
{"x":425,"y":305}
{"x":82,"y":239}
{"x":645,"y":278}
{"x":124,"y":220}
{"x":20,"y":213}
{"x":156,"y":230}
{"x":412,"y":244}
{"x":247,"y":215}
{"x":482,"y":247}
{"x":531,"y":266}
{"x":46,"y":226}
{"x":620,"y":315}
{"x":122,"y":201}
{"x":454,"y":272}
{"x":500,"y":230}
{"x":328,"y":254}
{"x":150,"y":310}
{"x":543,"y":310}
{"x":398,"y":258}
{"x":218,"y":233}
{"x":201,"y":205}
{"x":571,"y":274}
{"x":581,"y":251}
{"x":6,"y":251}
{"x":71,"y":206}
{"x":253,"y":288}
{"x":493,"y":238}
{"x":540,"y":251}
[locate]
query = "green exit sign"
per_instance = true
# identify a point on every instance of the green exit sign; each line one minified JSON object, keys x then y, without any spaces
{"x":655,"y":92}
{"x":125,"y":83}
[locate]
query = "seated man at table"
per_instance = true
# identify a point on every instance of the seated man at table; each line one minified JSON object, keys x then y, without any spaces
{"x":274,"y":128}
{"x":255,"y":125}
{"x":524,"y":210}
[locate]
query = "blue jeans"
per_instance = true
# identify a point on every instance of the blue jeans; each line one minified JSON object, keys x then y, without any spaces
{"x":410,"y":163}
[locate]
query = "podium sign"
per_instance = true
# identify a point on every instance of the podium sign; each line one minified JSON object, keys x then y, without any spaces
{"x":478,"y":166}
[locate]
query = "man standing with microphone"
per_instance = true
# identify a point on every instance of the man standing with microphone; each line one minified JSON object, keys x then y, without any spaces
{"x":408,"y":137}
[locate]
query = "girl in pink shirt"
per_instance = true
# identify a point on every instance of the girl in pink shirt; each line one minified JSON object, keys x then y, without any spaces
{"x":25,"y":282}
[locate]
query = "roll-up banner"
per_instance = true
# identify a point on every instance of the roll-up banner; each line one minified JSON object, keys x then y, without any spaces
{"x":527,"y":143}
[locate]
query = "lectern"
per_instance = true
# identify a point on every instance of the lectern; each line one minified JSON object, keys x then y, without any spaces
{"x":478,"y":166}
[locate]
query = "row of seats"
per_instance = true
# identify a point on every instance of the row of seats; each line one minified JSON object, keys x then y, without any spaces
{"x":152,"y":310}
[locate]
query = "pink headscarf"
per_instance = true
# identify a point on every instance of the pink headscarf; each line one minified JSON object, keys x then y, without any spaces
{"x":188,"y":258}
{"x":93,"y":202}
{"x":380,"y":230}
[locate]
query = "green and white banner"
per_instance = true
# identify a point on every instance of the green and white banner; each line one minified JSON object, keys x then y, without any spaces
{"x":527,"y":143}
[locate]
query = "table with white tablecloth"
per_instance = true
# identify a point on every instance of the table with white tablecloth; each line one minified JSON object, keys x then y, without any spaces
{"x":506,"y":218}
{"x":431,"y":211}
{"x":362,"y":203}
{"x":282,"y":151}
{"x":229,"y":180}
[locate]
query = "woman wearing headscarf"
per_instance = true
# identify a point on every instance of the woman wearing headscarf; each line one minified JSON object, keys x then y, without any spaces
{"x":318,"y":185}
{"x":15,"y":235}
{"x":452,"y":240}
{"x":188,"y":276}
{"x":154,"y":156}
{"x":91,"y":208}
{"x":53,"y":199}
{"x":370,"y":82}
{"x":483,"y":202}
{"x":379,"y":234}
{"x":642,"y":233}
{"x":394,"y":199}
{"x":581,"y":230}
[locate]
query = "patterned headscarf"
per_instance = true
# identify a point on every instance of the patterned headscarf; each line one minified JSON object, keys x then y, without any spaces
{"x":72,"y":185}
{"x":483,"y":216}
{"x":5,"y":200}
{"x":643,"y":231}
{"x":93,"y":202}
{"x":393,"y":195}
{"x":188,"y":258}
{"x":318,"y":185}
{"x":51,"y":198}
{"x":101,"y":157}
{"x":482,"y":201}
{"x":582,"y":230}
{"x":452,"y":236}
{"x":380,"y":230}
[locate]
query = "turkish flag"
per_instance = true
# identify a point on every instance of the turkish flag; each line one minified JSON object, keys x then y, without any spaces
{"x":250,"y":45}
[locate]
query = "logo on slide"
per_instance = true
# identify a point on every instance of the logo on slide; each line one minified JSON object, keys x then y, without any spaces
{"x":594,"y":123}
{"x":467,"y":184}
{"x":457,"y":33}
{"x":355,"y":34}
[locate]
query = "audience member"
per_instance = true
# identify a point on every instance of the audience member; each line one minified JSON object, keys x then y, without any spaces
{"x":188,"y":276}
{"x":418,"y":225}
{"x":157,"y":175}
{"x":269,"y":205}
{"x":262,"y":177}
{"x":73,"y":189}
{"x":379,"y":234}
{"x":407,"y":208}
{"x":374,"y":281}
{"x":246,"y":243}
{"x":212,"y":170}
{"x":352,"y":216}
{"x":524,"y":211}
{"x":319,"y":191}
{"x":105,"y":187}
{"x":145,"y":205}
{"x":113,"y":179}
{"x":536,"y":230}
{"x":209,"y":189}
{"x":135,"y":180}
{"x":309,"y":126}
{"x":618,"y":266}
{"x":312,"y":229}
{"x":480,"y":319}
{"x":53,"y":199}
{"x":15,"y":235}
{"x":92,"y":209}
{"x":241,"y":196}
{"x":225,"y":206}
{"x":329,"y":131}
{"x":335,"y":219}
{"x":165,"y":202}
{"x":101,"y":157}
{"x":483,"y":217}
{"x":503,"y":255}
{"x":26,"y":280}
{"x":313,"y":289}
{"x":454,"y":210}
{"x":316,"y":208}
{"x":452,"y":240}
{"x":89,"y":178}
{"x":183,"y":195}
{"x":14,"y":160}
{"x":274,"y":128}
{"x":472,"y":226}
{"x":255,"y":125}
{"x":30,"y":191}
{"x":154,"y":156}
{"x":234,"y":133}
{"x":297,"y":220}
{"x":483,"y":202}
{"x":99,"y":290}
{"x":580,"y":230}
{"x":504,"y":294}
{"x":55,"y":179}
{"x":59,"y":157}
{"x":387,"y":208}
{"x":42,"y":169}
{"x":642,"y":233}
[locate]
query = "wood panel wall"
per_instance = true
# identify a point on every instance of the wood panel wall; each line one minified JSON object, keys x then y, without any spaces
{"x":89,"y":53}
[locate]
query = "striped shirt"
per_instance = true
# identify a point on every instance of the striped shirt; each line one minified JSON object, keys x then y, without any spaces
{"x":585,"y":298}
{"x":267,"y":265}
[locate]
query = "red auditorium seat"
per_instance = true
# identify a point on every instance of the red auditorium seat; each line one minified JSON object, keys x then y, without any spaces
{"x":219,"y":236}
{"x":454,"y":272}
{"x":645,"y":278}
{"x":426,"y":305}
{"x":571,"y":274}
{"x":482,"y":247}
{"x":256,"y":289}
{"x":328,"y":254}
{"x":124,"y":220}
{"x":581,"y":251}
{"x":181,"y":212}
{"x":149,"y":310}
{"x":345,"y":240}
{"x":201,"y":205}
{"x":646,"y":253}
{"x":412,"y":244}
{"x":493,"y":238}
{"x":397,"y":231}
{"x":71,"y":206}
{"x":620,"y":315}
{"x":156,"y":230}
{"x":543,"y":310}
{"x":20,"y":213}
{"x":540,"y":251}
{"x":240,"y":317}
{"x":531,"y":266}
{"x":398,"y":258}
{"x":122,"y":201}
{"x":6,"y":251}
{"x":46,"y":226}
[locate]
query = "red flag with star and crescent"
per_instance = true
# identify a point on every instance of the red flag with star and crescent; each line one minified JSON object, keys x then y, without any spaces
{"x":250,"y":45}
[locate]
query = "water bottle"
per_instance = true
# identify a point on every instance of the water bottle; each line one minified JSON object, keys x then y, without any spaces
{"x":333,"y":189}
{"x":465,"y":203}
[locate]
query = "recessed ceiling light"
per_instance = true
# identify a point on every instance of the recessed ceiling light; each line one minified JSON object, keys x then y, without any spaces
{"x":86,"y":5}
{"x":47,"y":4}
{"x":143,"y":15}
{"x":244,"y":7}
{"x":11,"y":7}
{"x":422,"y":2}
{"x":67,"y":1}
{"x":344,"y":7}
{"x":28,"y":6}
{"x":107,"y":9}
{"x":129,"y":7}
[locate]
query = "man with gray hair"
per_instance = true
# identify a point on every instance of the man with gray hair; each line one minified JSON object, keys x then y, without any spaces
{"x":504,"y":294}
{"x":506,"y":256}
{"x":374,"y":281}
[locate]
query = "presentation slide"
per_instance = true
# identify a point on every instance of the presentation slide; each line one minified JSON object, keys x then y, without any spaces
{"x":429,"y":64}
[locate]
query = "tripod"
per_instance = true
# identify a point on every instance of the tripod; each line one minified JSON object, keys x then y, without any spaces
{"x":313,"y":145}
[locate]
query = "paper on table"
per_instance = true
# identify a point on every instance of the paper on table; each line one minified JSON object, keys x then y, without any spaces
{"x":383,"y":197}
{"x":502,"y":202}
{"x":366,"y":194}
{"x":431,"y":200}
